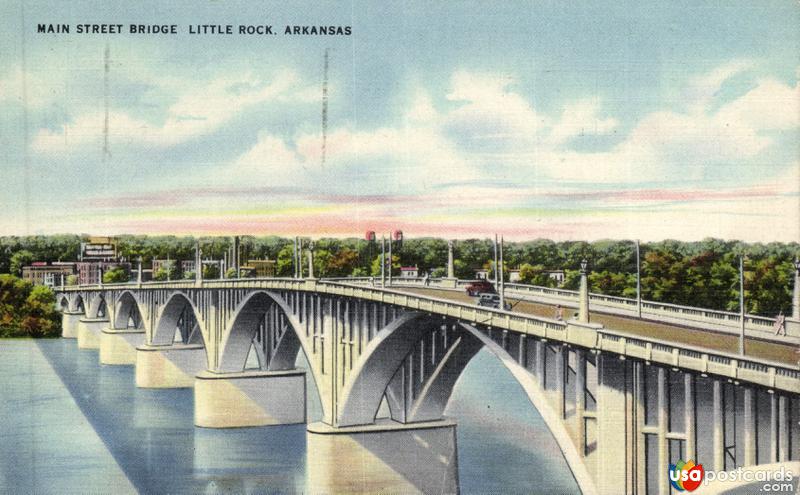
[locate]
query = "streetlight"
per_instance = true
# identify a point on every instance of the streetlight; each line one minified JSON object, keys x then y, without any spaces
{"x":741,"y":304}
{"x":638,"y":280}
{"x":796,"y":292}
{"x":583,"y":303}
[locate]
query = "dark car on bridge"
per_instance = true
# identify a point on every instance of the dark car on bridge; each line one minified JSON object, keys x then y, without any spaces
{"x":491,"y":301}
{"x":480,"y":287}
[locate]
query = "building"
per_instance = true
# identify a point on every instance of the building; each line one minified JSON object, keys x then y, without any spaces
{"x":557,"y":275}
{"x":409,"y":272}
{"x":99,"y":249}
{"x":49,"y":274}
{"x":89,"y":271}
{"x":164,"y":265}
{"x":187,"y":266}
{"x":482,"y":274}
{"x":259,"y":268}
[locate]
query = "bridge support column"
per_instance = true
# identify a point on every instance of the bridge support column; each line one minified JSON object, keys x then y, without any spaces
{"x":749,"y":427}
{"x":562,"y":354}
{"x":783,"y":429}
{"x":580,"y":400}
{"x":689,"y":416}
{"x":69,"y":324}
{"x":614,"y":425}
{"x":249,"y":398}
{"x":719,"y":427}
{"x":385,"y":457}
{"x":118,"y":346}
{"x":169,"y":366}
{"x":89,"y":330}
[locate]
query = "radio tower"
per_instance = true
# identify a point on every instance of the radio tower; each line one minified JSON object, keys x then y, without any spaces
{"x":325,"y":106}
{"x":106,"y":150}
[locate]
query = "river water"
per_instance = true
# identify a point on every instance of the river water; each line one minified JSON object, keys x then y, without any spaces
{"x":71,"y":425}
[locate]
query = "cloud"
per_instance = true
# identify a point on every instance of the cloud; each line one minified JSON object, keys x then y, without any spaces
{"x":199,"y":110}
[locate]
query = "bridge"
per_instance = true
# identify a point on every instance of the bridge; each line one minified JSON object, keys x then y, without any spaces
{"x":626,"y":389}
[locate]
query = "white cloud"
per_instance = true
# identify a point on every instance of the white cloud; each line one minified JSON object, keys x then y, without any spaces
{"x":199,"y":110}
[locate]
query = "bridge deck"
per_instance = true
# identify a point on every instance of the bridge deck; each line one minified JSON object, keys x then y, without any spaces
{"x":690,"y":336}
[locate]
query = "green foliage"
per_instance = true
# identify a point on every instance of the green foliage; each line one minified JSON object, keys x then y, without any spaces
{"x":20,"y":259}
{"x":72,"y":280}
{"x":27,"y":310}
{"x":210,"y":272}
{"x":535,"y":275}
{"x":703,"y":273}
{"x":375,"y":269}
{"x":116,"y":275}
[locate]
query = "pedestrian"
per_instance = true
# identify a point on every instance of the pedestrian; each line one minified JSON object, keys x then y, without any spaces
{"x":426,"y":280}
{"x":780,"y":324}
{"x":559,"y":312}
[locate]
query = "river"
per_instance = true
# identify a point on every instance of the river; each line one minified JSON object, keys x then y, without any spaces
{"x":71,"y":425}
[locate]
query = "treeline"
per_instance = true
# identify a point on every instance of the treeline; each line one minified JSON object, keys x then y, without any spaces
{"x":27,"y":310}
{"x":703,"y":273}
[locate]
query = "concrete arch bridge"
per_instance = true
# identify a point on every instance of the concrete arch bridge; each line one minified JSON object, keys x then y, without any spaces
{"x":621,"y":405}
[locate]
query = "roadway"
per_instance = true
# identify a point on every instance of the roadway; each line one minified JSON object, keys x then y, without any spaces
{"x":781,"y":353}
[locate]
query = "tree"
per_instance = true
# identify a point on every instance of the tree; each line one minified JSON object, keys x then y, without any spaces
{"x":27,"y":310}
{"x":116,"y":275}
{"x":376,"y":265}
{"x":535,"y":275}
{"x":210,"y":272}
{"x":20,"y":259}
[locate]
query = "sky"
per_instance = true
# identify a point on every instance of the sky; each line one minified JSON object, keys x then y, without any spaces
{"x":537,"y":119}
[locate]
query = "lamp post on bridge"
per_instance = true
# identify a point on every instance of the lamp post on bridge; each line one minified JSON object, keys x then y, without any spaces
{"x":583,"y":303}
{"x":638,"y":280}
{"x":796,"y":291}
{"x":311,"y":260}
{"x":383,"y":261}
{"x":741,"y":304}
{"x":501,"y":272}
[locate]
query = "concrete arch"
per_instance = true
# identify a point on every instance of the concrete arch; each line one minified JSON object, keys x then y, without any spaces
{"x":169,"y":316}
{"x":362,"y":394}
{"x":231,"y":347}
{"x":127,"y":308}
{"x":98,"y":307}
{"x":63,"y":304}
{"x":239,"y":334}
{"x":538,"y":399}
{"x":78,"y":305}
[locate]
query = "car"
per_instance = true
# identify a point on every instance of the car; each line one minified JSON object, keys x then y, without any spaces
{"x":480,"y":287}
{"x":491,"y":301}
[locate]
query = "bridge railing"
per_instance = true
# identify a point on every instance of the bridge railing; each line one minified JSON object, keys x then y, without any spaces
{"x":760,"y":371}
{"x":722,"y":321}
{"x":592,"y":336}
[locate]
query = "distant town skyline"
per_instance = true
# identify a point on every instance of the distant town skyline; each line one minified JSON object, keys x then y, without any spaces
{"x":616,"y":120}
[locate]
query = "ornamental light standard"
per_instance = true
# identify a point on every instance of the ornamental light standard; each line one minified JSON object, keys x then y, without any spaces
{"x":796,"y":291}
{"x":741,"y":304}
{"x":638,"y":280}
{"x":583,"y":303}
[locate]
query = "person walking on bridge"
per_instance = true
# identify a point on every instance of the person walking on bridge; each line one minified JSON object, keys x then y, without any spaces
{"x":780,"y":324}
{"x":559,"y":312}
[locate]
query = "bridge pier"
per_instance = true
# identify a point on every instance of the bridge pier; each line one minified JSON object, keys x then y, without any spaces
{"x":118,"y":345}
{"x":386,"y":457}
{"x":69,"y":324}
{"x":169,"y":366}
{"x":89,"y":330}
{"x":249,"y":398}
